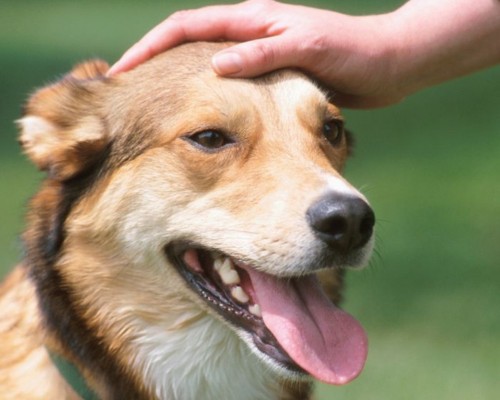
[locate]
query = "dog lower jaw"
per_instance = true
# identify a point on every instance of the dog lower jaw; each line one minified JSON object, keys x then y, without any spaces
{"x":227,"y":290}
{"x":294,"y":375}
{"x":300,"y":331}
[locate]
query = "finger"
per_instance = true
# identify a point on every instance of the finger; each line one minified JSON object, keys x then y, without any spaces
{"x":234,"y":22}
{"x":258,"y":57}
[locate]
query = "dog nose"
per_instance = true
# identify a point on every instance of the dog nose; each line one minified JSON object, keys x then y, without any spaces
{"x":343,"y":222}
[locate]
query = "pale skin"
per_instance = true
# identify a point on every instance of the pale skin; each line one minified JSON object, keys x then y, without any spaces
{"x":367,"y":61}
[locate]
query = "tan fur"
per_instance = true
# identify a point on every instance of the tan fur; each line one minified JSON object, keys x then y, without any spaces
{"x":26,"y":371}
{"x":121,"y":139}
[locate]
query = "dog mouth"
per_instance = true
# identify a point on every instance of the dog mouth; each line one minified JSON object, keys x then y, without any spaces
{"x":289,"y":320}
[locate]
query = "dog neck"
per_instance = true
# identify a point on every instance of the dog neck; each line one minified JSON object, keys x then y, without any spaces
{"x":204,"y":360}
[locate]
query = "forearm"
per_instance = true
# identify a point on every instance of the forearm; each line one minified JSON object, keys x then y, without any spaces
{"x":438,"y":40}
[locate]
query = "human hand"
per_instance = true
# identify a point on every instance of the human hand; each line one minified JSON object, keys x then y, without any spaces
{"x":367,"y":61}
{"x":350,"y":55}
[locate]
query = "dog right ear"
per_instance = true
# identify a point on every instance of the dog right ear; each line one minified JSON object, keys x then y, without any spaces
{"x":61,"y":131}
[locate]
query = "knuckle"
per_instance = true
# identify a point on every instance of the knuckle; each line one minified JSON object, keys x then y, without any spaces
{"x":264,"y":54}
{"x":180,"y":16}
{"x":179,"y":20}
{"x":259,"y":6}
{"x":315,"y":44}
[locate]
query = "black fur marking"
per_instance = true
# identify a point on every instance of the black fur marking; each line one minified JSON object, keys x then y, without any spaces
{"x":55,"y":297}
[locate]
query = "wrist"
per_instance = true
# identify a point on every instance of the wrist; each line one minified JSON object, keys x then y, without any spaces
{"x":416,"y":50}
{"x":438,"y":41}
{"x":402,"y":64}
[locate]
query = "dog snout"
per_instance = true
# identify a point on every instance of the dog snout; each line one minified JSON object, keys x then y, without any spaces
{"x":343,"y":222}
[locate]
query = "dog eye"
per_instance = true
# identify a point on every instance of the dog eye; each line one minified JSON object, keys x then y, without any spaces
{"x":210,"y":139}
{"x":333,"y":131}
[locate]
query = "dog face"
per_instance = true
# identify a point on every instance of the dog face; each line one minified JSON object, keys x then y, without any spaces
{"x":198,"y":195}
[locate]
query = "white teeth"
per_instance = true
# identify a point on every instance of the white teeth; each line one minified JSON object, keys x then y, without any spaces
{"x":230,"y":277}
{"x":218,"y":263}
{"x":239,"y":294}
{"x":255,"y":310}
{"x":226,"y":271}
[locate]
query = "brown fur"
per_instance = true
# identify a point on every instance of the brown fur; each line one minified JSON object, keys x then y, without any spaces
{"x":104,"y":143}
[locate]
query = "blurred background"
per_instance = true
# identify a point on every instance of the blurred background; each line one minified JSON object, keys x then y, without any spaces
{"x":430,"y":166}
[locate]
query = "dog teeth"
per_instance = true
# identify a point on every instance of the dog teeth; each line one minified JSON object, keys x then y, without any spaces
{"x":230,"y":277}
{"x":218,"y":263}
{"x":239,"y":295}
{"x":226,"y":271}
{"x":255,"y":310}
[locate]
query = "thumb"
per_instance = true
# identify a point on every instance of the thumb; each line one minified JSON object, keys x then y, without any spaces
{"x":255,"y":57}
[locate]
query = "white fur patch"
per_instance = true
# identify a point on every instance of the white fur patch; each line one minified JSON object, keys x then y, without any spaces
{"x":41,"y":139}
{"x":204,"y":361}
{"x":38,"y":135}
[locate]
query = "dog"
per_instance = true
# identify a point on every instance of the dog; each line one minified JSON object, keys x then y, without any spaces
{"x":184,"y":239}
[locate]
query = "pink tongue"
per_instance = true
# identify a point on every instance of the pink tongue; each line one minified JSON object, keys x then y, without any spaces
{"x":322,"y":339}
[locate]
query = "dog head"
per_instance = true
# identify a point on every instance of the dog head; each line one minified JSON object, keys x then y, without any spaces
{"x":184,"y":191}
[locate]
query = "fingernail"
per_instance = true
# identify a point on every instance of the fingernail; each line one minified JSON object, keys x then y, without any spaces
{"x":227,"y":63}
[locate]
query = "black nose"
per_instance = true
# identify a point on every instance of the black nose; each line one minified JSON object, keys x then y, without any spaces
{"x":343,"y":222}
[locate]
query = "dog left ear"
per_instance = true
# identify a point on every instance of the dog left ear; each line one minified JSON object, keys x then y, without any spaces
{"x":61,"y":131}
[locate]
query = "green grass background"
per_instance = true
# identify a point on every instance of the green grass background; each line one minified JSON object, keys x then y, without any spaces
{"x":431,"y":166}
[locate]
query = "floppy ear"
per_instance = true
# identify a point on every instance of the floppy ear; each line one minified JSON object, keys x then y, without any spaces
{"x":61,"y":131}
